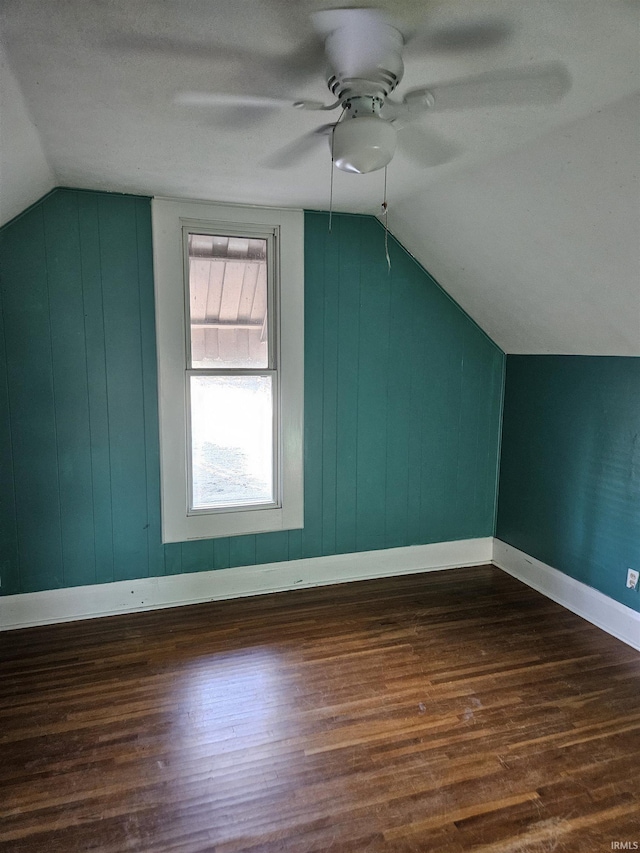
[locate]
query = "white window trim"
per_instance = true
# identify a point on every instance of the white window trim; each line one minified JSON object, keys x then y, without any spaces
{"x":169,"y":215}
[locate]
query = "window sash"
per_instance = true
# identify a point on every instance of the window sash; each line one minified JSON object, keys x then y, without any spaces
{"x":271,"y":235}
{"x":276,"y":453}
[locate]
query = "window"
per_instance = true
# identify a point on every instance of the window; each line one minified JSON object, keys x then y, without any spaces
{"x":229,"y":317}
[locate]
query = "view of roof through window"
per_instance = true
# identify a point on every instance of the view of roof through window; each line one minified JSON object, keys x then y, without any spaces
{"x":228,"y":301}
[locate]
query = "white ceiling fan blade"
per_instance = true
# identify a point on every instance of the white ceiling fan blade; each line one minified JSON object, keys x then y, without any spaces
{"x":223,"y":99}
{"x":470,"y":35}
{"x":426,"y":147}
{"x":300,"y":64}
{"x":536,"y":84}
{"x":296,"y":151}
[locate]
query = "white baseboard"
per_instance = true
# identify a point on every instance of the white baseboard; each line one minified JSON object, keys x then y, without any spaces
{"x":604,"y":612}
{"x":87,"y":602}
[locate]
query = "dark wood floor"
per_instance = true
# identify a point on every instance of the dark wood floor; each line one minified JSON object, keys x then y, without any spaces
{"x":445,"y":712}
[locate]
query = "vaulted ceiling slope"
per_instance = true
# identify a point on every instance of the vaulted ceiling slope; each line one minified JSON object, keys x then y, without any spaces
{"x":529,"y":216}
{"x":25,"y":174}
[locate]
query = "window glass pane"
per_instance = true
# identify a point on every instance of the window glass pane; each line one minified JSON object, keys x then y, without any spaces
{"x":228,"y":301}
{"x":231,"y":440}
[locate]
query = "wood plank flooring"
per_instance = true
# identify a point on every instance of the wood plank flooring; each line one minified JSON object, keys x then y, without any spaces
{"x":446,"y":712}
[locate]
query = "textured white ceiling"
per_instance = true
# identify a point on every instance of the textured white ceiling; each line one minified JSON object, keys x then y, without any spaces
{"x":534,"y":227}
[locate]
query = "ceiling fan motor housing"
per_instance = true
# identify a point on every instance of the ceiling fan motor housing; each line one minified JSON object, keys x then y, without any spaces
{"x":380,"y":82}
{"x":364,"y":50}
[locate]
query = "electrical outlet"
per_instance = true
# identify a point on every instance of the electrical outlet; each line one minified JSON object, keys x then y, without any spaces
{"x":632,"y":579}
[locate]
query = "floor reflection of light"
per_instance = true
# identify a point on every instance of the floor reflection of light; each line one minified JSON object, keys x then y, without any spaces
{"x":231,"y":694}
{"x":230,"y":737}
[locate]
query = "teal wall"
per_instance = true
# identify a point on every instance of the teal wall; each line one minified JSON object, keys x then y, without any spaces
{"x":570,"y":467}
{"x":402,"y":402}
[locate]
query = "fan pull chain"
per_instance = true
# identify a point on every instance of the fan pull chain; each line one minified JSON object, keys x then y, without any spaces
{"x":385,"y":213}
{"x":331,"y":179}
{"x":331,"y":186}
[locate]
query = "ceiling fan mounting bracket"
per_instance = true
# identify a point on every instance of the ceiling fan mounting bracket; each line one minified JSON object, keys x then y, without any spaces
{"x":421,"y":100}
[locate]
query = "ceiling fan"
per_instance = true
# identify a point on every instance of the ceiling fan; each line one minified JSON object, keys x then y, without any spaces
{"x":364,"y":48}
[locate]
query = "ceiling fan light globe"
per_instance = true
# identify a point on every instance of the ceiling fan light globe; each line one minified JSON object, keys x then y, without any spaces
{"x":363,"y":144}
